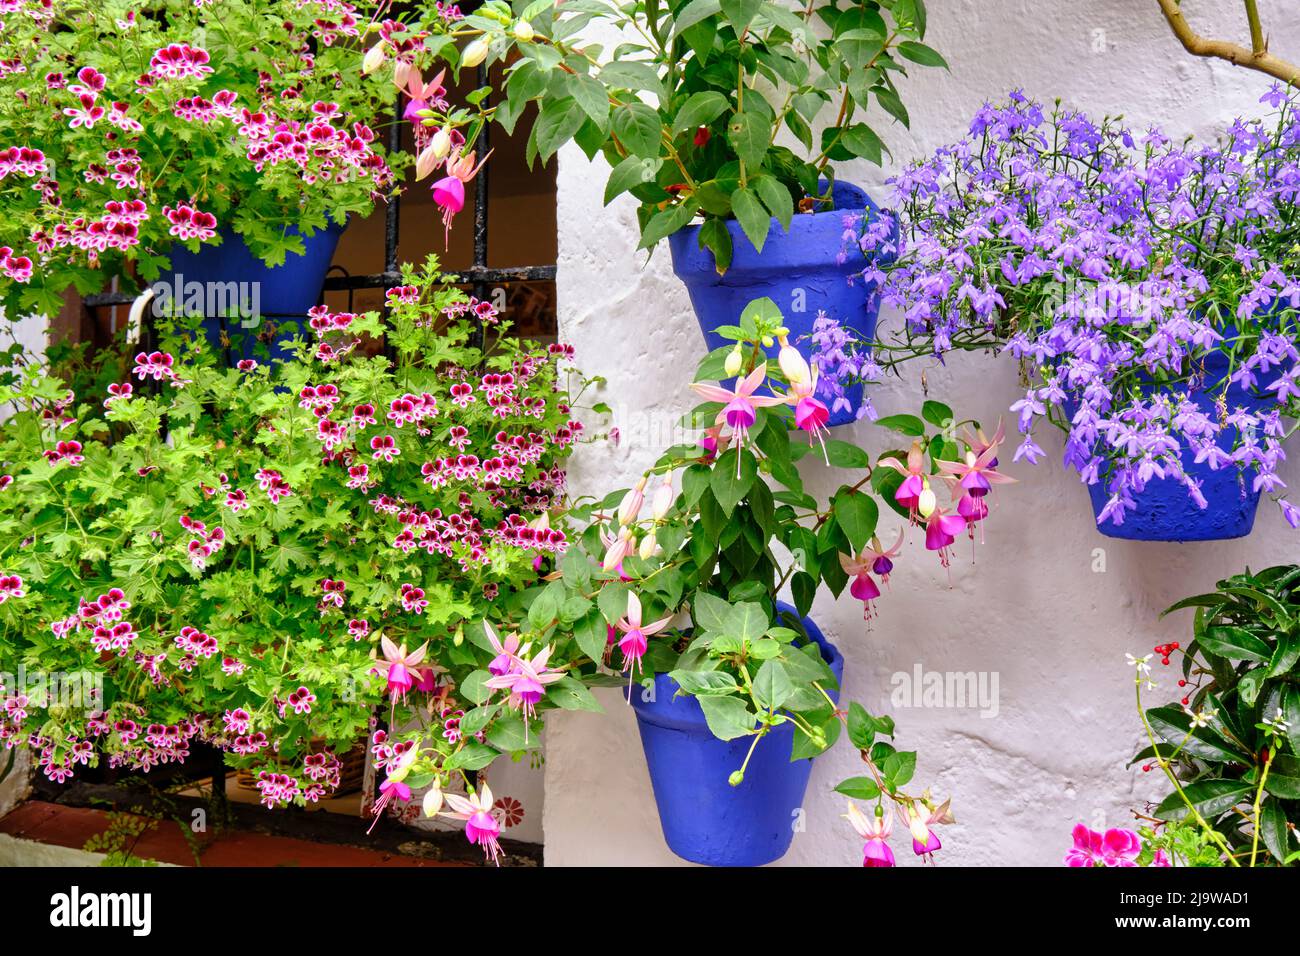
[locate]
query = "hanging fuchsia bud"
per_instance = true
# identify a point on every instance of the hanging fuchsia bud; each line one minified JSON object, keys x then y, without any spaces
{"x":630,"y":509}
{"x":663,"y":499}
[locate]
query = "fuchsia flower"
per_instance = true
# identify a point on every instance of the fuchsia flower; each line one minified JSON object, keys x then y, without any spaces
{"x":634,"y":643}
{"x":874,"y":558}
{"x":1116,"y":847}
{"x":941,"y":530}
{"x":740,"y":406}
{"x":925,"y":842}
{"x":914,"y":483}
{"x":394,"y":787}
{"x":875,"y":830}
{"x":505,"y":651}
{"x":449,"y":192}
{"x":810,"y":413}
{"x":401,"y":666}
{"x":481,"y":825}
{"x":525,"y":680}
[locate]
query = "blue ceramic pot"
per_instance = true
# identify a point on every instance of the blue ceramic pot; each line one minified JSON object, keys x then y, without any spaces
{"x":800,"y":269}
{"x":284,"y":293}
{"x":1165,"y":511}
{"x":704,"y":818}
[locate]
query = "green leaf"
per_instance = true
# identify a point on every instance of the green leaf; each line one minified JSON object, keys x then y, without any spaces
{"x":571,"y":694}
{"x":859,"y":788}
{"x":711,"y":612}
{"x":693,"y":13}
{"x":740,"y":13}
{"x":628,"y":174}
{"x":700,"y":110}
{"x":590,"y":94}
{"x":1209,"y":797}
{"x":1235,"y":643}
{"x":705,"y":683}
{"x":727,"y":717}
{"x":731,"y":482}
{"x":937,"y":414}
{"x":861,"y":140}
{"x":842,"y":454}
{"x":804,"y":588}
{"x":638,"y":128}
{"x":857,"y":514}
{"x":899,"y":767}
{"x":920,"y":53}
{"x":472,"y":689}
{"x":903,"y":424}
{"x":508,"y":735}
{"x":556,"y":124}
{"x":1173,"y":723}
{"x":761,"y":311}
{"x":776,"y":198}
{"x":612,"y":601}
{"x":772,"y":685}
{"x":749,"y":134}
{"x":591,"y":633}
{"x":751,"y":215}
{"x":1273,"y":829}
{"x":715,"y":237}
{"x":746,"y":622}
{"x":862,"y":726}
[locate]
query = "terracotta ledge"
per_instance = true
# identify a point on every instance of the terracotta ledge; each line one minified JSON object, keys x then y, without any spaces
{"x":66,"y":826}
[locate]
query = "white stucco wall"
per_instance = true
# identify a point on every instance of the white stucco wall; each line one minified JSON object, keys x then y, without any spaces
{"x":1032,"y":609}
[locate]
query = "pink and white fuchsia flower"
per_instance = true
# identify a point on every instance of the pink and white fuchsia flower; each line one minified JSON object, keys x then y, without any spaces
{"x":740,"y":405}
{"x":402,"y":666}
{"x":873,"y":559}
{"x":525,"y":679}
{"x":875,"y":830}
{"x":481,"y":825}
{"x":810,"y":413}
{"x":633,"y":644}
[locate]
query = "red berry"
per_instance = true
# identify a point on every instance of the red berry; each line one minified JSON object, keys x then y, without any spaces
{"x":1182,"y":683}
{"x":1146,"y":768}
{"x":1185,"y":701}
{"x":1174,"y":645}
{"x":1164,"y":660}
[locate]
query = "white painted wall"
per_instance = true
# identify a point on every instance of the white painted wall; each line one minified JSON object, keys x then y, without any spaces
{"x":1031,"y":609}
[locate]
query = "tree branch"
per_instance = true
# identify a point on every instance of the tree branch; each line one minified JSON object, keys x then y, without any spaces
{"x":1258,"y":58}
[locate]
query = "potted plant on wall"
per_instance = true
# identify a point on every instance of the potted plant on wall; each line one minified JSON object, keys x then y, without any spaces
{"x":693,"y":113}
{"x":257,"y":557}
{"x":208,"y":148}
{"x":1230,"y":745}
{"x":1147,"y":288}
{"x":685,"y":575}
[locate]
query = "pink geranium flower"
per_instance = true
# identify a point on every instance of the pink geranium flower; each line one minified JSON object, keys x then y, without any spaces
{"x":1115,"y":847}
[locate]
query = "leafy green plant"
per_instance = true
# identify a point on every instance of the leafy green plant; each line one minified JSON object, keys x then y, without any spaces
{"x":695,"y":103}
{"x":128,"y":127}
{"x":1231,"y":746}
{"x":222,"y":554}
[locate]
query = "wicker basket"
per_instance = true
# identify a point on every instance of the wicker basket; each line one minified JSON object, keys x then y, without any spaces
{"x":351,"y":772}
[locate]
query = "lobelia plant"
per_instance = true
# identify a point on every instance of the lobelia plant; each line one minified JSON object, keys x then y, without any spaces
{"x":693,"y":110}
{"x":128,"y":127}
{"x":1230,"y":747}
{"x":254,"y":558}
{"x":690,"y":589}
{"x":1129,"y":274}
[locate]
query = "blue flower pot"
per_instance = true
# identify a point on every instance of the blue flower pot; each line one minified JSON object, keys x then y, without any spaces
{"x":802,"y":269}
{"x":704,"y":818}
{"x":286,"y":292}
{"x":1165,"y":511}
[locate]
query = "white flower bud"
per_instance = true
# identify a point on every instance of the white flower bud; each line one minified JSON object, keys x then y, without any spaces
{"x":475,"y":53}
{"x":374,"y":59}
{"x":524,"y":31}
